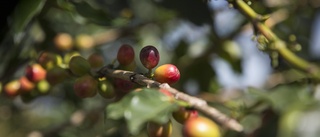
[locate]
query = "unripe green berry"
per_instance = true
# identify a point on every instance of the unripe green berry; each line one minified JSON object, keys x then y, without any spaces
{"x":67,"y":57}
{"x":106,"y":89}
{"x":79,"y":66}
{"x":43,"y":86}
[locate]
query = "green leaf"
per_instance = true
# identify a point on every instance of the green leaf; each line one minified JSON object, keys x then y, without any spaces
{"x":283,"y":97}
{"x":65,"y":5}
{"x":93,"y":14}
{"x":24,"y":12}
{"x":259,"y":94}
{"x":251,"y":122}
{"x":137,"y":108}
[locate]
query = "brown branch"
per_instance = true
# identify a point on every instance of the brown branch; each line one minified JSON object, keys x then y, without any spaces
{"x":197,"y":103}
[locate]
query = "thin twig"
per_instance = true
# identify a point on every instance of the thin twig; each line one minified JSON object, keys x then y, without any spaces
{"x":197,"y":103}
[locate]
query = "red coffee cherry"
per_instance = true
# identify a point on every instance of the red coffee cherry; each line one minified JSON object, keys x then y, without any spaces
{"x":167,"y":73}
{"x":96,"y":60}
{"x":200,"y":127}
{"x":183,"y":114}
{"x":149,"y":57}
{"x":11,"y":89}
{"x":26,"y":85}
{"x":79,"y":66}
{"x":157,"y":130}
{"x":125,"y":55}
{"x":85,"y":86}
{"x":35,"y":73}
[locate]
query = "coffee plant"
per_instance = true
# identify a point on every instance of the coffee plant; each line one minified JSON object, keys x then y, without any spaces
{"x":159,"y":68}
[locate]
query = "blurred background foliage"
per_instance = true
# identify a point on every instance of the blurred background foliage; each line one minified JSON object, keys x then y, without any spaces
{"x":213,"y":45}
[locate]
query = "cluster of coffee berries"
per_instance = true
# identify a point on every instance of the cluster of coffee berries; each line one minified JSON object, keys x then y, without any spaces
{"x":88,"y":86}
{"x":32,"y":83}
{"x":50,"y":69}
{"x":149,"y":57}
{"x":78,"y":69}
{"x":85,"y":85}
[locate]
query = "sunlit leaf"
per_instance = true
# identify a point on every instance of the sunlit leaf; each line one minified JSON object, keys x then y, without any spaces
{"x":137,"y":108}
